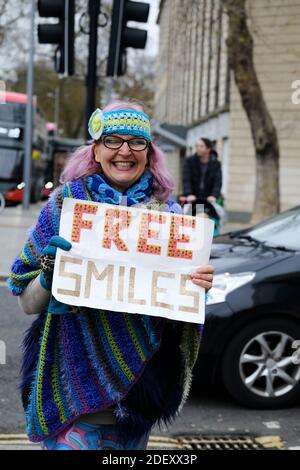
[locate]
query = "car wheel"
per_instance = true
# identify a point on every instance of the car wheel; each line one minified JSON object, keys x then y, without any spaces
{"x":261,"y":366}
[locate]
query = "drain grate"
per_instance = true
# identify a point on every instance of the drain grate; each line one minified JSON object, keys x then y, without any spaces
{"x":216,"y":442}
{"x":219,"y":442}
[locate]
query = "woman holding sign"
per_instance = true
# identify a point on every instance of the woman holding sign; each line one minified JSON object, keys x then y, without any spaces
{"x":97,"y":379}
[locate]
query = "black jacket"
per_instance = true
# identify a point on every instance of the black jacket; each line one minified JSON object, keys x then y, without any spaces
{"x":192,"y":177}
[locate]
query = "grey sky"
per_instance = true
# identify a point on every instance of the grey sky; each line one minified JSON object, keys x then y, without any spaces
{"x":9,"y":62}
{"x":152,"y":27}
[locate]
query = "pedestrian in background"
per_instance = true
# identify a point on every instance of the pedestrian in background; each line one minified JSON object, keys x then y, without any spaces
{"x":202,"y":174}
{"x":92,"y":378}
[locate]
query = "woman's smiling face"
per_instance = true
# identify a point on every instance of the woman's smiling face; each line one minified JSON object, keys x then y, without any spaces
{"x":121,"y":166}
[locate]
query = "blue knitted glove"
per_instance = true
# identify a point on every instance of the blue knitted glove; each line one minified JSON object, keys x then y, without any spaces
{"x":47,"y":259}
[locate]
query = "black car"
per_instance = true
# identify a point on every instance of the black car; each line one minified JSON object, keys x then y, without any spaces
{"x":251,"y":339}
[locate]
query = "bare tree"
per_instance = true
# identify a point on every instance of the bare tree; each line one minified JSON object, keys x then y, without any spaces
{"x":137,"y":83}
{"x":9,"y":16}
{"x":240,"y":55}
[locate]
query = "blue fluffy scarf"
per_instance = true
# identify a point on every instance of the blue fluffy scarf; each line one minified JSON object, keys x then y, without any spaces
{"x":101,"y":191}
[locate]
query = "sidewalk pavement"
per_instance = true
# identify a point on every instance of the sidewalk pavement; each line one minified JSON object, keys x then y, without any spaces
{"x":15,"y":224}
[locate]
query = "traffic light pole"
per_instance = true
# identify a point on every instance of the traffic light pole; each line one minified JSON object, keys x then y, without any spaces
{"x":123,"y":36}
{"x":91,"y":79}
{"x":29,"y":106}
{"x":60,"y":33}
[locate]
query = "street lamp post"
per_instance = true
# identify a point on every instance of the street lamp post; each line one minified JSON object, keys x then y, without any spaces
{"x":91,"y":80}
{"x":29,"y":112}
{"x":56,"y":108}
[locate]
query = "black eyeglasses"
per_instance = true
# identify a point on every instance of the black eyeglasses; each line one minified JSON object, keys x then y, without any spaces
{"x":136,"y":144}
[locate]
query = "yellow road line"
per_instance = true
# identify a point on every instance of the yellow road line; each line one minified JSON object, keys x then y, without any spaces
{"x":22,"y":438}
{"x":163,"y":439}
{"x":152,"y":438}
{"x":10,"y":443}
{"x":270,"y":442}
{"x":156,"y":441}
{"x":163,"y":445}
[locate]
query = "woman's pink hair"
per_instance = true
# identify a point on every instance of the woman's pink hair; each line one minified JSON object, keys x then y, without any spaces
{"x":82,"y":163}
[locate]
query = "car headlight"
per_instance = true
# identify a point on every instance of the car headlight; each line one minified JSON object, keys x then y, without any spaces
{"x":225,"y":283}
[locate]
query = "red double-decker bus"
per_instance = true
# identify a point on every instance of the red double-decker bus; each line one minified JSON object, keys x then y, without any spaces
{"x":12,"y":148}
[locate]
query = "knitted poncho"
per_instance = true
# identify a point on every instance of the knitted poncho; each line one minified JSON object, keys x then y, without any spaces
{"x":87,"y":360}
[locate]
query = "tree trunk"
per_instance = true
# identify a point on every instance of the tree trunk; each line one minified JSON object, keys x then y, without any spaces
{"x":240,"y":56}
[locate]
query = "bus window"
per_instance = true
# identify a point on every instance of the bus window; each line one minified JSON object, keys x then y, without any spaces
{"x":10,"y":164}
{"x":13,"y":113}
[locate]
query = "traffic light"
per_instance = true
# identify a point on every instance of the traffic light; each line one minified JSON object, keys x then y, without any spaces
{"x":122,"y":36}
{"x":60,"y":33}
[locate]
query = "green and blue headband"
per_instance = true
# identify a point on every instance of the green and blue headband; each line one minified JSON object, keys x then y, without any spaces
{"x":120,"y":121}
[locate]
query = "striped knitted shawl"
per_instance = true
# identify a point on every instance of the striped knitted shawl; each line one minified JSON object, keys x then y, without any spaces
{"x":87,"y":360}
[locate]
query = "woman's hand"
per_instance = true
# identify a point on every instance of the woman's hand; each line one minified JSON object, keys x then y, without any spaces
{"x":47,"y":259}
{"x":203,"y":276}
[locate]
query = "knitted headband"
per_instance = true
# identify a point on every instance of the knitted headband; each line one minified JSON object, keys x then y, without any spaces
{"x":120,"y":121}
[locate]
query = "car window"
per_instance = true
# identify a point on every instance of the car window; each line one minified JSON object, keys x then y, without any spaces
{"x":282,"y":230}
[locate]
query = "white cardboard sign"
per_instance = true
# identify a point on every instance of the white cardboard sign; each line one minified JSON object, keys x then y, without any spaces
{"x":129,"y":259}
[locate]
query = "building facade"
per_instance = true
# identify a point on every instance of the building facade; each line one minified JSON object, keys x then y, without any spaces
{"x":195,"y":89}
